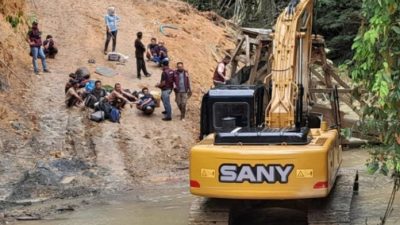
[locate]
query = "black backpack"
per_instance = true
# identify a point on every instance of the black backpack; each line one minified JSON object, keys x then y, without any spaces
{"x":90,"y":100}
{"x":105,"y":107}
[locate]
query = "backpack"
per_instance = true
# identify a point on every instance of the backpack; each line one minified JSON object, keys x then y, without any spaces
{"x":113,"y":56}
{"x":82,"y":72}
{"x":89,"y":86}
{"x":97,"y":116}
{"x":105,"y":107}
{"x":115,"y":115}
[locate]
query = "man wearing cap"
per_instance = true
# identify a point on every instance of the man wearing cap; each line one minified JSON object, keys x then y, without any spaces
{"x":35,"y":42}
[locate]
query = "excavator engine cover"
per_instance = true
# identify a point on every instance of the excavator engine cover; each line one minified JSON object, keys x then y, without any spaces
{"x":264,"y":136}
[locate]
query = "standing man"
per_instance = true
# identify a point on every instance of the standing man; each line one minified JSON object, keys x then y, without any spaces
{"x":166,"y":85}
{"x":35,"y":42}
{"x":220,"y":72}
{"x":112,"y":21}
{"x":139,"y":53}
{"x":182,"y":88}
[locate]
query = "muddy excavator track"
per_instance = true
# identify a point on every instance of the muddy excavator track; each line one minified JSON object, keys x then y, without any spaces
{"x":205,"y":211}
{"x":335,"y":209}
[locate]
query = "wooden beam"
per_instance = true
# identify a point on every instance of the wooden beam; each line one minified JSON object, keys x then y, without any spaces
{"x":234,"y":62}
{"x":329,"y":90}
{"x":247,"y":47}
{"x":253,"y":72}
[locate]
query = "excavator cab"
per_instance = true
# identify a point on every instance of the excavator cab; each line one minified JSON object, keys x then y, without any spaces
{"x":228,"y":107}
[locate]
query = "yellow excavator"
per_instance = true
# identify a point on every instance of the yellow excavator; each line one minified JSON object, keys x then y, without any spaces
{"x":260,"y":143}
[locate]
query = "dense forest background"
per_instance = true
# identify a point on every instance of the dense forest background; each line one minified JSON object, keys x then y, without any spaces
{"x":337,"y":20}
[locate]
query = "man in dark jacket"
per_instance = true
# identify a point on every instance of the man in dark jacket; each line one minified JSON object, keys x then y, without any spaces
{"x":182,"y":88}
{"x":35,"y":42}
{"x":139,"y":53}
{"x":166,"y":85}
{"x":161,"y":55}
{"x":99,"y":92}
{"x":50,"y":49}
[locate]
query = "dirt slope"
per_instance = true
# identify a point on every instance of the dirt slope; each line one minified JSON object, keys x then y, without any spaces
{"x":52,"y":152}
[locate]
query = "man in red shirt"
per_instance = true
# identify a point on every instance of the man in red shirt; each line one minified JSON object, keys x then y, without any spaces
{"x":35,"y":42}
{"x":220,"y":76}
{"x":166,"y":85}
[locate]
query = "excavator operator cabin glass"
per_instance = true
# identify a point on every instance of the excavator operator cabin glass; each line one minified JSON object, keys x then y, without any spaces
{"x":238,"y":110}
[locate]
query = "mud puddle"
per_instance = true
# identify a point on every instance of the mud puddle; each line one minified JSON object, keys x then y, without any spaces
{"x":164,"y":204}
{"x":169,"y":204}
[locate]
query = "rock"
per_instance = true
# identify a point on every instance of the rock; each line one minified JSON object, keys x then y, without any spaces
{"x":67,"y":180}
{"x":29,"y":217}
{"x":89,"y":174}
{"x":17,"y":125}
{"x":69,"y":165}
{"x":66,"y":208}
{"x":57,"y":154}
{"x":147,"y":136}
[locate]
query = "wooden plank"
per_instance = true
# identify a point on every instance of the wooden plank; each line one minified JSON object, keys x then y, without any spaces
{"x":253,"y":72}
{"x":318,"y":75}
{"x":254,"y":41}
{"x":247,"y":47}
{"x":340,"y":81}
{"x":234,"y":62}
{"x":329,"y":90}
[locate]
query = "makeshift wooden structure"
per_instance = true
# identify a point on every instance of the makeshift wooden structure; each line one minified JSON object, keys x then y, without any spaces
{"x":254,"y":49}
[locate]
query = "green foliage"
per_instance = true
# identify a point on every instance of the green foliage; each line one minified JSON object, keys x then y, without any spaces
{"x":376,"y":70}
{"x":338,"y":21}
{"x":14,"y":21}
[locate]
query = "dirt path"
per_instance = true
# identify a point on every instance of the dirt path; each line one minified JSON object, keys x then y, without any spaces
{"x":136,"y":148}
{"x":53,"y":153}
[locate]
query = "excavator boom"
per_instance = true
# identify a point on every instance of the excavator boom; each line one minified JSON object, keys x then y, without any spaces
{"x":290,"y":72}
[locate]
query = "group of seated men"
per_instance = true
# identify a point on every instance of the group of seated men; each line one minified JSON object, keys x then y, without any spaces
{"x":157,"y":52}
{"x":78,"y":93}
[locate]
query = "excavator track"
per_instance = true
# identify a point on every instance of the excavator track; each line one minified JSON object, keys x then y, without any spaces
{"x":205,"y":211}
{"x":335,"y":209}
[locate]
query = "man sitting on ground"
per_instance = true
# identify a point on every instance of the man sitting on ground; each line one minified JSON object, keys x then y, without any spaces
{"x":99,"y":92}
{"x":161,"y":54}
{"x":72,"y":96}
{"x":96,"y":95}
{"x":146,"y":103}
{"x":118,"y":97}
{"x":152,"y":49}
{"x":49,"y":46}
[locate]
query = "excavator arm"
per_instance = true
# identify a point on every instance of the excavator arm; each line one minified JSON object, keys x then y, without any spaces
{"x":290,"y":67}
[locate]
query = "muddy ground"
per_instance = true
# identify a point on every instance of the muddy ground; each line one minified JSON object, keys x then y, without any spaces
{"x":52,"y":153}
{"x":54,"y":159}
